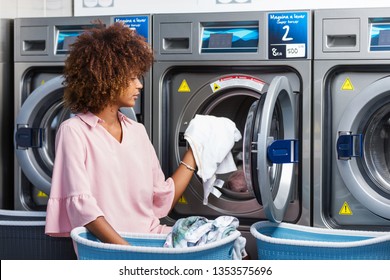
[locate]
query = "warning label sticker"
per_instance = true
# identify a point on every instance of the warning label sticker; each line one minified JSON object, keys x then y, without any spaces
{"x":183,"y":200}
{"x":347,"y":85}
{"x":345,"y":210}
{"x":237,"y":80}
{"x":184,"y":87}
{"x":41,"y":194}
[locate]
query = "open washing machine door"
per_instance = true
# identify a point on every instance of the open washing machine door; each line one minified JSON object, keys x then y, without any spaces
{"x":270,"y":148}
{"x":35,"y":129}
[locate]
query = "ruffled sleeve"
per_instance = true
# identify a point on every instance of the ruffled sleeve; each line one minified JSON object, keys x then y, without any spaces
{"x":163,"y":189}
{"x":71,"y":203}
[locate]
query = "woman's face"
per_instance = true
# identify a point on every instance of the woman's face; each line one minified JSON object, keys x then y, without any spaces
{"x":130,"y":94}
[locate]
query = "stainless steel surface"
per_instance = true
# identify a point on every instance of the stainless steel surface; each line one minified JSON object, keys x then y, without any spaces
{"x":351,"y":97}
{"x":276,"y":205}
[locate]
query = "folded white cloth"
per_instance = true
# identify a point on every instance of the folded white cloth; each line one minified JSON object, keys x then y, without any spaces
{"x":211,"y":139}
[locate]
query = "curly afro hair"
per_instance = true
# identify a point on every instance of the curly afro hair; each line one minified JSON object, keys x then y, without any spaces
{"x":100,"y":66}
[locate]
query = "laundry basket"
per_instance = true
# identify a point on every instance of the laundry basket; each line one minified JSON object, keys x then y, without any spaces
{"x":149,"y":247}
{"x":294,"y":242}
{"x":22,"y":237}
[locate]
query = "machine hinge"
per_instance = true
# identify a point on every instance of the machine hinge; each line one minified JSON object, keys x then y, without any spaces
{"x":182,"y":140}
{"x":27,"y":137}
{"x":349,"y":145}
{"x":283,"y":151}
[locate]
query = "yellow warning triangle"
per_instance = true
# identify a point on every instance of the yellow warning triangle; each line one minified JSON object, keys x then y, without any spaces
{"x":184,"y":87}
{"x":345,"y":209}
{"x":347,"y":85}
{"x":183,"y":200}
{"x":42,"y":82}
{"x":41,"y":194}
{"x":216,"y":86}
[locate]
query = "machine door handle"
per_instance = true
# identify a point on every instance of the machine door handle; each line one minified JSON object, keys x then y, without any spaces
{"x":283,"y":151}
{"x":27,"y":137}
{"x":349,"y":145}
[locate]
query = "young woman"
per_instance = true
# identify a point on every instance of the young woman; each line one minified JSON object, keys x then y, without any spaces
{"x":106,"y":175}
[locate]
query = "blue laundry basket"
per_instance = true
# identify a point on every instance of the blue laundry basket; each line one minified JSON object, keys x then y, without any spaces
{"x":149,"y":247}
{"x":294,"y":242}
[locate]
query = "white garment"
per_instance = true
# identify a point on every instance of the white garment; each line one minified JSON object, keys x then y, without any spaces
{"x":211,"y":139}
{"x":197,"y":230}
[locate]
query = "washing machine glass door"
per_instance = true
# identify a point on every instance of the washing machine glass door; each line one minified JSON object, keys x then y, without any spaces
{"x":35,"y":128}
{"x":271,"y":148}
{"x":363,"y":147}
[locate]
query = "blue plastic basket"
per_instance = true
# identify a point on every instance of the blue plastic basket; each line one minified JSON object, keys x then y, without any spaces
{"x":149,"y":247}
{"x":294,"y":242}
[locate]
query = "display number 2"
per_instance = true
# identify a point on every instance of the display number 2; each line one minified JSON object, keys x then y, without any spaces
{"x":285,"y":36}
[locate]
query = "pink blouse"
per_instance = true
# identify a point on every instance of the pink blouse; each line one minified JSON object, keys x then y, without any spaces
{"x":95,"y":175}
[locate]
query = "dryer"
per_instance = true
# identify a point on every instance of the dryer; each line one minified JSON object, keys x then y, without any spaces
{"x":351,"y":177}
{"x":41,"y":46}
{"x":255,"y":69}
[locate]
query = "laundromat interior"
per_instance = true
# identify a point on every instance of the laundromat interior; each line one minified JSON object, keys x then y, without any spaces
{"x":306,"y":83}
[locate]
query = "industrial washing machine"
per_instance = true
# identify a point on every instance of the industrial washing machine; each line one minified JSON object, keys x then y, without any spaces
{"x":255,"y":69}
{"x":41,"y":46}
{"x":351,"y":117}
{"x":21,"y":232}
{"x":6,"y":100}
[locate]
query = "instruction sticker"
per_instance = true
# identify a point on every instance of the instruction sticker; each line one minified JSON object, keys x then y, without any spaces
{"x":237,"y":80}
{"x":138,"y":23}
{"x":287,"y":35}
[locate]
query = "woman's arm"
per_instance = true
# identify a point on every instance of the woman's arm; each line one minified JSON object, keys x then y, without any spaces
{"x":182,"y":176}
{"x":104,"y":231}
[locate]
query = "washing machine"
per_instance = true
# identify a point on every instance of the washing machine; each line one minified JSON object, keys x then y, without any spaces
{"x":255,"y":69}
{"x":6,"y":120}
{"x":41,"y":46}
{"x":351,"y":113}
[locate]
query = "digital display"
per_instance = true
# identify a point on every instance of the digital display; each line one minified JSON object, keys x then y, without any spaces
{"x":288,"y":35}
{"x":380,"y":37}
{"x":230,"y":39}
{"x":384,"y":38}
{"x":221,"y":40}
{"x":65,"y":38}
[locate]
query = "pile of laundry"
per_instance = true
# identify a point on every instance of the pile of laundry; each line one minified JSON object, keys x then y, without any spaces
{"x":197,"y":230}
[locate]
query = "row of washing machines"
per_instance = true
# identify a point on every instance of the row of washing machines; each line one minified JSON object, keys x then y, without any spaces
{"x":309,"y":91}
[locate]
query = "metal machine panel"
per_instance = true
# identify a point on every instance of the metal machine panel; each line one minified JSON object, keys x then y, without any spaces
{"x":351,"y":107}
{"x":341,"y":35}
{"x":185,"y":34}
{"x":221,"y":67}
{"x":347,"y":33}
